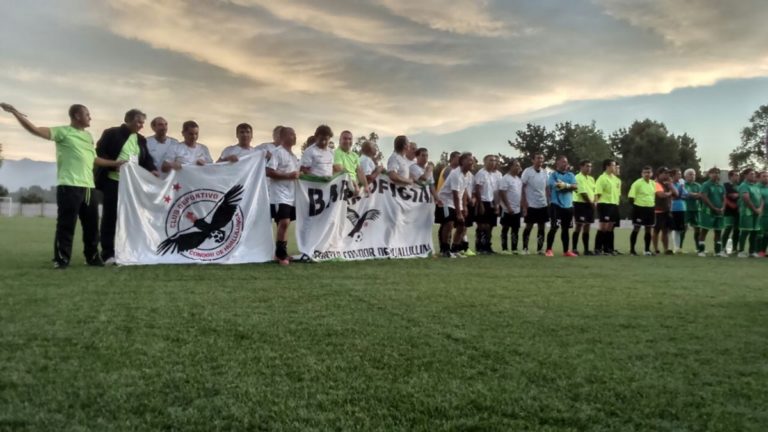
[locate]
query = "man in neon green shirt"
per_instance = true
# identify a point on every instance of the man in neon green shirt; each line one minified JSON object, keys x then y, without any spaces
{"x":607,"y":196}
{"x":584,"y":206}
{"x":75,"y":159}
{"x":711,"y":212}
{"x":345,"y":160}
{"x":642,"y":195}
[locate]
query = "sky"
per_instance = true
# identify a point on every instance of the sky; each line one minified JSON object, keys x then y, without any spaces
{"x":451,"y":74}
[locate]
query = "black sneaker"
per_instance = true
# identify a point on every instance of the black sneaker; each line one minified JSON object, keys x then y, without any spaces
{"x":633,"y":253}
{"x":589,"y":253}
{"x":58,"y":265}
{"x":668,"y":252}
{"x":95,"y":262}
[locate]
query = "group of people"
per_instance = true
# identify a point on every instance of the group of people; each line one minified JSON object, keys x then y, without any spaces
{"x":664,"y":205}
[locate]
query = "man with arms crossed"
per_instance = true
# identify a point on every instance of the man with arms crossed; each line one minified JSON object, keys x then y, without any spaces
{"x":561,"y":184}
{"x":535,"y":203}
{"x":642,"y":196}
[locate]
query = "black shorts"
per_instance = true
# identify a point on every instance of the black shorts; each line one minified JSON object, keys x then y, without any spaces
{"x":511,"y":220}
{"x":282,"y":211}
{"x":489,"y":215}
{"x":537,"y":215}
{"x":663,"y":220}
{"x":439,"y":215}
{"x":584,"y":213}
{"x":643,"y":216}
{"x":448,"y":215}
{"x":677,"y":221}
{"x":607,"y":213}
{"x":560,"y":217}
{"x":469,"y":220}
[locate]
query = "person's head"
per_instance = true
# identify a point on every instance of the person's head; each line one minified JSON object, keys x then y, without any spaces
{"x":491,"y":163}
{"x":733,"y":176}
{"x":160,"y":127}
{"x":190,"y":131}
{"x":410,"y":152}
{"x":647,"y":172}
{"x":323,"y":135}
{"x":453,"y":159}
{"x":276,"y":134}
{"x":514,"y":168}
{"x":345,"y":141}
{"x":585,"y":167}
{"x":79,"y":116}
{"x":401,"y":144}
{"x":714,"y":174}
{"x":310,"y":140}
{"x":422,"y":156}
{"x":749,"y":175}
{"x":367,"y":149}
{"x":287,"y":137}
{"x":538,"y":160}
{"x":764,"y":177}
{"x":690,"y":175}
{"x":609,"y":166}
{"x":466,"y":160}
{"x":675,"y":175}
{"x":662,"y":174}
{"x":561,"y":163}
{"x":244,"y":133}
{"x":134,"y":120}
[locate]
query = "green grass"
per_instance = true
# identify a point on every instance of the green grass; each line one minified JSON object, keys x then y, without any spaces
{"x":494,"y":343}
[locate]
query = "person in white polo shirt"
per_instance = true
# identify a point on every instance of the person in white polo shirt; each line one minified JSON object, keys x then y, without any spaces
{"x":269,"y":147}
{"x":453,"y":195}
{"x":188,"y":152}
{"x":535,"y":202}
{"x":367,"y":163}
{"x":283,"y":170}
{"x":317,"y":159}
{"x":233,"y":153}
{"x":486,"y":209}
{"x":159,"y":143}
{"x":398,"y":165}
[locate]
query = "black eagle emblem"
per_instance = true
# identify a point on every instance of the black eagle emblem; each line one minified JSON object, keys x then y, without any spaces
{"x":359,"y":221}
{"x":202,"y":228}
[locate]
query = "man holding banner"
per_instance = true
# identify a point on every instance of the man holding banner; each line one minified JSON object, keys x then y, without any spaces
{"x":317,"y":159}
{"x":283,"y":170}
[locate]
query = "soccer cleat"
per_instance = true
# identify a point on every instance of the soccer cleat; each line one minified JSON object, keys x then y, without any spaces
{"x":702,"y":254}
{"x":60,"y":265}
{"x":514,"y":252}
{"x":648,"y":253}
{"x":668,"y":252}
{"x":743,"y":255}
{"x":525,"y":252}
{"x":549,"y":253}
{"x":633,"y":253}
{"x":505,"y":252}
{"x":761,"y":254}
{"x":723,"y":254}
{"x":469,"y":253}
{"x":729,"y":247}
{"x":110,"y":261}
{"x":589,"y":253}
{"x":95,"y":262}
{"x":570,"y":254}
{"x":754,"y":255}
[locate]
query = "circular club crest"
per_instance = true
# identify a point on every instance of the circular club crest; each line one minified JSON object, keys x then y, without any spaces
{"x":198,"y":208}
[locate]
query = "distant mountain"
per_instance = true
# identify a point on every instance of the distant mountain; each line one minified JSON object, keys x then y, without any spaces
{"x":15,"y":174}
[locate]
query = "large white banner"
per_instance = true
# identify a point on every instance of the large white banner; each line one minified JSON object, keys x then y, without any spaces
{"x":391,"y":222}
{"x":216,"y":213}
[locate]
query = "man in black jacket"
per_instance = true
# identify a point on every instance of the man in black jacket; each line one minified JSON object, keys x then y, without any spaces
{"x":119,"y":143}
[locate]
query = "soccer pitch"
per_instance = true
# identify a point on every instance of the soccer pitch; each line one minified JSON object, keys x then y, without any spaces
{"x":486,"y":343}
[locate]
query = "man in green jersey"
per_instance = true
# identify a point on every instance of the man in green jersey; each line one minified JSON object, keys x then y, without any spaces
{"x":750,"y":213}
{"x":692,"y":205}
{"x":642,"y":196}
{"x":607,"y":195}
{"x":711,"y":212}
{"x":763,"y":236}
{"x":584,"y":206}
{"x":75,"y":159}
{"x":348,"y":161}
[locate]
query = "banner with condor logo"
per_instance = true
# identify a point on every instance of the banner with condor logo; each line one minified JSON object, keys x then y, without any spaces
{"x":390,"y":222}
{"x":217,"y":213}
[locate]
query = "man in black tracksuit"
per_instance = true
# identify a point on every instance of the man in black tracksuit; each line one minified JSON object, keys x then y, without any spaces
{"x":118,"y":143}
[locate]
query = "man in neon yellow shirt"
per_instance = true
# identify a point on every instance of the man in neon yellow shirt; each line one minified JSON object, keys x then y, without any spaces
{"x":642,"y":195}
{"x":607,"y":196}
{"x":75,"y":159}
{"x":347,"y":161}
{"x":584,"y":205}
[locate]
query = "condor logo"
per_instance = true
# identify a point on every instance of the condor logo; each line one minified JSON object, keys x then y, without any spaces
{"x":360,"y":222}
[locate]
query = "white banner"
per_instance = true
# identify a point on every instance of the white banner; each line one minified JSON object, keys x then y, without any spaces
{"x":392,"y":222}
{"x":217,"y":213}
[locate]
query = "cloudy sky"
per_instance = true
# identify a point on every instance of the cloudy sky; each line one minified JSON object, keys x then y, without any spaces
{"x":453,"y":74}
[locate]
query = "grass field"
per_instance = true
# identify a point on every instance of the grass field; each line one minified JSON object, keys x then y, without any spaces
{"x":495,"y":343}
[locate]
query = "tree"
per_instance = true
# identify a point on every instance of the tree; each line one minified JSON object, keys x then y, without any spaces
{"x":31,"y":198}
{"x":689,"y":157}
{"x":754,"y":142}
{"x":589,"y":143}
{"x":533,"y":139}
{"x":572,"y":140}
{"x":3,"y":191}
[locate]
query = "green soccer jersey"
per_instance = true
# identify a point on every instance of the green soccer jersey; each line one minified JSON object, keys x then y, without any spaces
{"x":608,"y":188}
{"x":349,"y":161}
{"x":586,"y":184}
{"x":692,"y":204}
{"x":715,"y":193}
{"x":764,"y":193}
{"x":130,"y":148}
{"x":75,"y":154}
{"x":643,"y":192}
{"x":755,"y":195}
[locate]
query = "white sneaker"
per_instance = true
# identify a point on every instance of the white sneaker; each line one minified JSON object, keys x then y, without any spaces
{"x":722,"y":254}
{"x":524,"y":252}
{"x":754,"y":255}
{"x":729,"y":246}
{"x":743,"y":255}
{"x":702,"y":254}
{"x":648,"y":253}
{"x":110,"y":261}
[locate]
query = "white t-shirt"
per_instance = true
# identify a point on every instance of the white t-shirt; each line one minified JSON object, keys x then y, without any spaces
{"x":283,"y":191}
{"x":267,"y":146}
{"x":236,"y":150}
{"x":319,"y":161}
{"x":512,"y":187}
{"x":400,"y":165}
{"x":489,"y":184}
{"x":535,"y":185}
{"x":367,"y":164}
{"x":456,"y":182}
{"x":470,"y":182}
{"x":416,"y":172}
{"x":158,"y":150}
{"x":186,"y":155}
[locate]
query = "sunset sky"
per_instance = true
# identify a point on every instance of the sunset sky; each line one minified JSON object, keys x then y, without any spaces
{"x":452,"y":74}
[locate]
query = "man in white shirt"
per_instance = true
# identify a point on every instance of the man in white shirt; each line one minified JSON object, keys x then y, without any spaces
{"x":453,"y":195}
{"x":535,"y":202}
{"x":233,"y":153}
{"x":159,"y":144}
{"x":317,"y":159}
{"x":189,"y":152}
{"x":487,"y":209}
{"x":367,"y":163}
{"x":510,"y":195}
{"x":283,"y":170}
{"x":398,"y":165}
{"x":269,"y":147}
